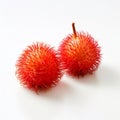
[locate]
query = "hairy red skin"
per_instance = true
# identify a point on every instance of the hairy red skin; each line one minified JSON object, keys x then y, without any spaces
{"x":79,"y":54}
{"x":38,"y":67}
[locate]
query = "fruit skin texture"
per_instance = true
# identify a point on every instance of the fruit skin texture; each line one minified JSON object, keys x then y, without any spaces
{"x":38,"y":67}
{"x":79,"y":55}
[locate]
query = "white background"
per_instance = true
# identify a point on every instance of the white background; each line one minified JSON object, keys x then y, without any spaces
{"x":94,"y":97}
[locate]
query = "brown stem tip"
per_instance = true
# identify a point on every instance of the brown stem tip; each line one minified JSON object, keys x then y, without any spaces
{"x":74,"y":30}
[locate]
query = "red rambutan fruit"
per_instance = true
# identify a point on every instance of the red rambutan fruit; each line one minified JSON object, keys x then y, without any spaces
{"x":79,"y":53}
{"x":38,"y":67}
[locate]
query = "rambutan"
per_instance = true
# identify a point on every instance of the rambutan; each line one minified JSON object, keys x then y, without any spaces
{"x":79,"y":53}
{"x":38,"y":67}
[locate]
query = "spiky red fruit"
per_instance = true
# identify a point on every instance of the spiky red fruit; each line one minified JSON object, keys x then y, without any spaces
{"x":38,"y":67}
{"x":79,"y":53}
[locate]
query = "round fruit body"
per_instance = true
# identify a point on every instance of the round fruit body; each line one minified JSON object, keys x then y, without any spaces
{"x":38,"y":67}
{"x":80,"y":54}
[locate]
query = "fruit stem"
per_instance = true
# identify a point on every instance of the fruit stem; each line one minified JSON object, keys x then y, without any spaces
{"x":74,"y":30}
